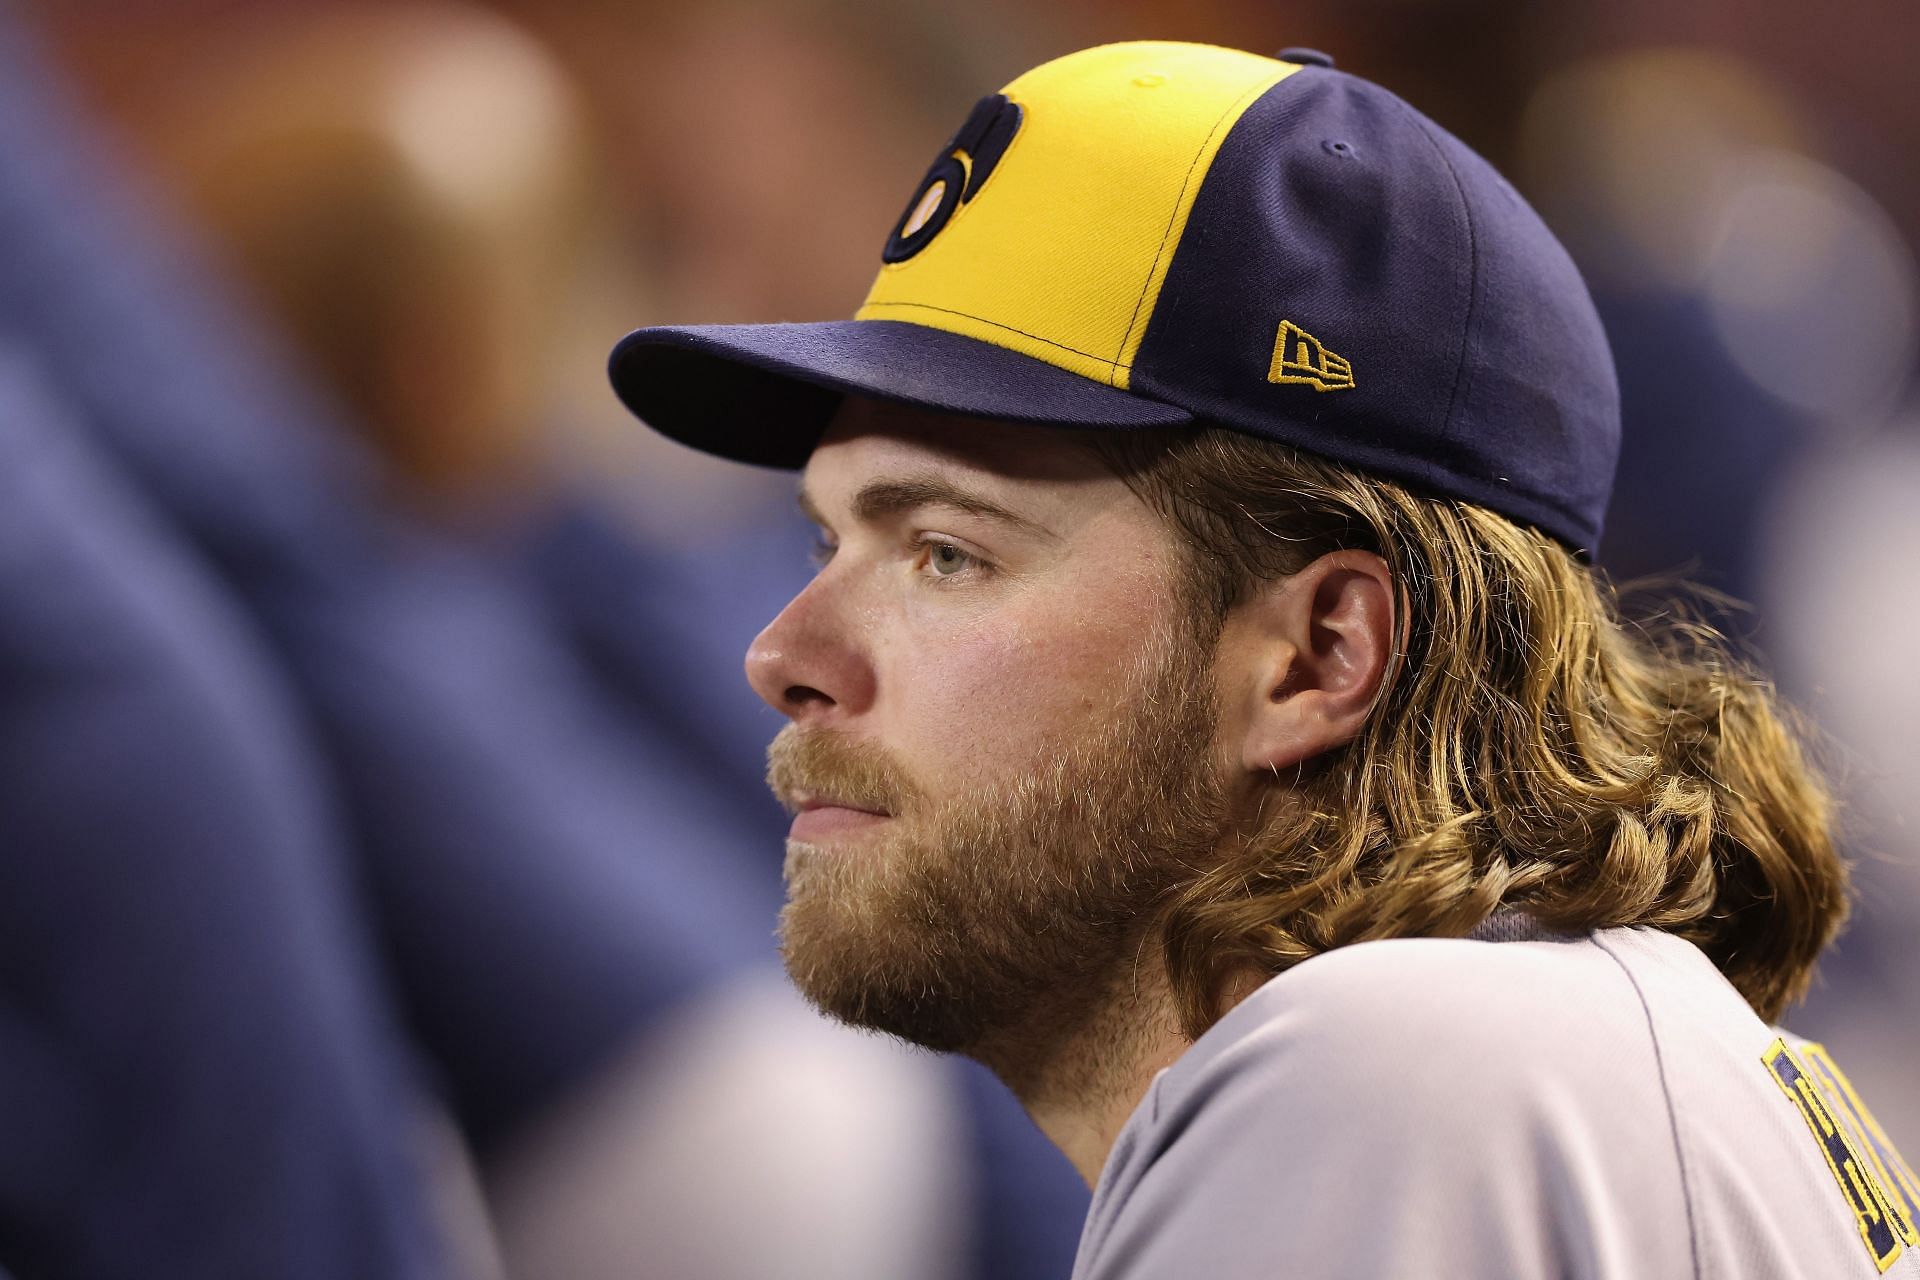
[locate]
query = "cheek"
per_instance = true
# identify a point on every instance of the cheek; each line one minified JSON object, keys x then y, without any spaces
{"x":988,"y":696}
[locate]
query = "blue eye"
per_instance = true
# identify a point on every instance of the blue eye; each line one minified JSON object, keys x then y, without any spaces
{"x":821,"y":552}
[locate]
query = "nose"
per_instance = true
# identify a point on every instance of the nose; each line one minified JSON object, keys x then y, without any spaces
{"x":809,"y":662}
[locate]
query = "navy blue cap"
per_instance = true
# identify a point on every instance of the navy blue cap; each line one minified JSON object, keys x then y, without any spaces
{"x":1157,"y":234}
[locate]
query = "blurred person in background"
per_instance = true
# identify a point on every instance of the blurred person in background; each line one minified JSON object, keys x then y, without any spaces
{"x":201,"y":1072}
{"x":559,"y":925}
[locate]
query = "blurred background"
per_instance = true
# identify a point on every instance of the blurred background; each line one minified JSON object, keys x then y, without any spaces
{"x":392,"y":882}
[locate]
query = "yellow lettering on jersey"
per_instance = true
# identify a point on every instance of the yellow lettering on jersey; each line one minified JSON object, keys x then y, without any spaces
{"x":1873,"y":1212}
{"x":1895,"y":1174}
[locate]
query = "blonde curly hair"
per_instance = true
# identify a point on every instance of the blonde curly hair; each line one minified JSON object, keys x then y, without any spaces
{"x":1530,"y":748}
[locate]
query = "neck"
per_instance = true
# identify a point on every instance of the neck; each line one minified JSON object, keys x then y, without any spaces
{"x":1081,"y":1078}
{"x":1080,"y":1075}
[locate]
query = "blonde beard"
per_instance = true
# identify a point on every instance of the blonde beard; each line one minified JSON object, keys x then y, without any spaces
{"x":985,"y":921}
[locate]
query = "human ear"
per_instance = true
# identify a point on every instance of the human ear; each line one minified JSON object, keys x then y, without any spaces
{"x":1307,"y":655}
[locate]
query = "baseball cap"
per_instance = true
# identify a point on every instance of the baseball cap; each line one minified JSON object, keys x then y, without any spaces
{"x":1153,"y":234}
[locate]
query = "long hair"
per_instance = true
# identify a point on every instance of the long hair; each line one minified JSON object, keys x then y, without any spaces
{"x":1530,"y":748}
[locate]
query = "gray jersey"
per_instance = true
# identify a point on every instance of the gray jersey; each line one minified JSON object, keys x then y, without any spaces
{"x":1512,"y":1105}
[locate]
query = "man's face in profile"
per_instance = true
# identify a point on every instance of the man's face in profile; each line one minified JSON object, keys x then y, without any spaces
{"x":1003,"y":723}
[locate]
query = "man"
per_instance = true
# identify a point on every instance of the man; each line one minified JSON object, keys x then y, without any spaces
{"x":1205,"y":714}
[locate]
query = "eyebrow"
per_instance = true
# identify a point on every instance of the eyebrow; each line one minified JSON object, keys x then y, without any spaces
{"x":879,"y":499}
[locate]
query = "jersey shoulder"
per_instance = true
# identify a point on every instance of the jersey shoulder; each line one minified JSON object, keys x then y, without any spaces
{"x":1445,"y":1045}
{"x":1499,"y":1103}
{"x":1512,"y":1007}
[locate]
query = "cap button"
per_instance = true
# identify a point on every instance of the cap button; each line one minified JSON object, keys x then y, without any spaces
{"x":1306,"y":57}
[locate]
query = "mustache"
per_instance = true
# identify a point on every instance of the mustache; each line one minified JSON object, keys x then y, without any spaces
{"x":816,"y":764}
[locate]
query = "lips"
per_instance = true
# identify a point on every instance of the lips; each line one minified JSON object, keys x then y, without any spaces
{"x":817,"y":818}
{"x":800,"y":800}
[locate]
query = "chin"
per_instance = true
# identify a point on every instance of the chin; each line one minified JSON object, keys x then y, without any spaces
{"x":862,"y":955}
{"x":862,"y":982}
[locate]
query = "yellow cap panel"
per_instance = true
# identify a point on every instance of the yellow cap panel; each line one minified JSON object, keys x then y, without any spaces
{"x":1060,"y":255}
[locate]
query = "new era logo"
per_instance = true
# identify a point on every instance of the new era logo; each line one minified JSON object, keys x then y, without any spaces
{"x":1298,"y":356}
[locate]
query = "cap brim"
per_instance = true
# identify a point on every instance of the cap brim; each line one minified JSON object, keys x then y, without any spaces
{"x":763,"y":393}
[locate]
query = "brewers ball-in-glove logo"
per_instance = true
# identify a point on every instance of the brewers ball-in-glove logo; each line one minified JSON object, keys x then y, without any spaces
{"x":956,"y":177}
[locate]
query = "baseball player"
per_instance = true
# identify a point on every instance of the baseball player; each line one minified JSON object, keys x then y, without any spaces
{"x":1208,"y":715}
